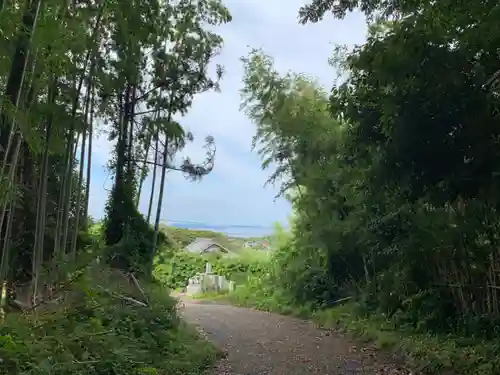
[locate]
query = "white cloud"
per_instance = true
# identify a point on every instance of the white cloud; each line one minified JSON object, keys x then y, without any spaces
{"x":234,"y":193}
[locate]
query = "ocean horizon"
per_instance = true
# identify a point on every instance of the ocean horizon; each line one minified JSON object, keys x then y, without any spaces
{"x":230,"y":230}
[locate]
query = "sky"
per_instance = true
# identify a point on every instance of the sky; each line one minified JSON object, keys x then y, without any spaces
{"x":233,"y":196}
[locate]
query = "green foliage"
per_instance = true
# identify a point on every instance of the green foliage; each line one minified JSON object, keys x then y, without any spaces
{"x":131,"y":248}
{"x":237,"y":269}
{"x":96,"y":230}
{"x":430,"y":354}
{"x":165,"y":81}
{"x":173,"y":269}
{"x":426,"y":353}
{"x":67,"y":74}
{"x":259,"y":292}
{"x":405,"y":246}
{"x":393,"y":176}
{"x":100,"y":333}
{"x":182,"y":237}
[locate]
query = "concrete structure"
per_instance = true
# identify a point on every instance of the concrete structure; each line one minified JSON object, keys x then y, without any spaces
{"x":208,"y":282}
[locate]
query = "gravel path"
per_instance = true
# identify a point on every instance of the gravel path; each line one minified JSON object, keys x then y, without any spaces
{"x":261,"y":343}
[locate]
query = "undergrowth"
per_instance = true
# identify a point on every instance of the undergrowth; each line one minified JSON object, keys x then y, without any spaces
{"x":212,"y":296}
{"x":97,"y":330}
{"x":423,"y":353}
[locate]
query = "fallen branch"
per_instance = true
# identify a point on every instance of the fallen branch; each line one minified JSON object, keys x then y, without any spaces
{"x":19,"y":305}
{"x":132,"y":300}
{"x":119,"y":296}
{"x":339,"y":301}
{"x":138,"y":286}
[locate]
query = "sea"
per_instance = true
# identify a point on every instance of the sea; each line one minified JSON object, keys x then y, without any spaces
{"x":244,"y":231}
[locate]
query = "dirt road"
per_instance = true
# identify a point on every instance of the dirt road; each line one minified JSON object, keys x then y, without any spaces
{"x":260,"y":343}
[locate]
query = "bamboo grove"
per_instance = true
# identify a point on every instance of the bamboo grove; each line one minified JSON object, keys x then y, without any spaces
{"x":70,"y":70}
{"x":394,"y":174}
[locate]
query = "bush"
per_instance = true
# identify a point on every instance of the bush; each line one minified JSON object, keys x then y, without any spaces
{"x":238,"y":269}
{"x":260,"y":293}
{"x":173,"y":269}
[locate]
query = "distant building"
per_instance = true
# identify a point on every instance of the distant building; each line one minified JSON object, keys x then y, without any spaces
{"x":261,"y":245}
{"x":205,"y":245}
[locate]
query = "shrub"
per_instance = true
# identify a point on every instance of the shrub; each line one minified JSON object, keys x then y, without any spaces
{"x":173,"y":269}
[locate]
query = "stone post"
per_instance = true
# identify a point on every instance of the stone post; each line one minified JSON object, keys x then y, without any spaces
{"x":208,"y":268}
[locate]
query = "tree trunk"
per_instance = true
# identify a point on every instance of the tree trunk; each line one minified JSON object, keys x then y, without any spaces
{"x":41,"y":213}
{"x":13,"y":93}
{"x":158,"y":207}
{"x":153,"y":183}
{"x":80,"y":175}
{"x":89,"y":162}
{"x":143,"y":171}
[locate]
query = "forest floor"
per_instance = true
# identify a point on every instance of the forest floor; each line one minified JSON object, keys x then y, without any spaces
{"x":262,"y":343}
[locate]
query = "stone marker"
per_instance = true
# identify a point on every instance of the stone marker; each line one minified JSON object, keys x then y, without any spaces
{"x":208,"y":268}
{"x":209,"y":282}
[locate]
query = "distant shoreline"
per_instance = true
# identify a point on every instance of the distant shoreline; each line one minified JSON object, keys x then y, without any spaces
{"x":230,"y":230}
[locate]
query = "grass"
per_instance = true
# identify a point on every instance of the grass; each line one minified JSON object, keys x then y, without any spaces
{"x":93,"y":331}
{"x":422,"y":353}
{"x":211,"y":296}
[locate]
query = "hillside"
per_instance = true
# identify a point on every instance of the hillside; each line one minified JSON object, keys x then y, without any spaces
{"x":232,"y":230}
{"x":184,"y":236}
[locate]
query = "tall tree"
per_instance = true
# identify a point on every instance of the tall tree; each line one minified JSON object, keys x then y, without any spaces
{"x":178,"y":70}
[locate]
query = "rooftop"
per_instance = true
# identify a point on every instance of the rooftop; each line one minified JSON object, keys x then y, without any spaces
{"x":200,"y":245}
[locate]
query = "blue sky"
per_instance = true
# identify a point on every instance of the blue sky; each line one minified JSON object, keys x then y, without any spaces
{"x":234,"y":193}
